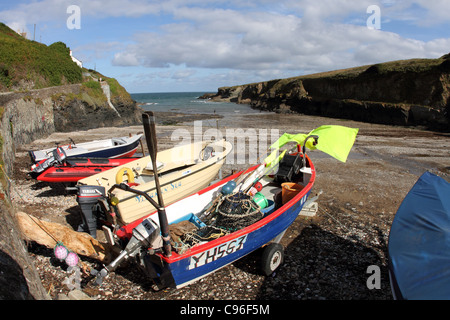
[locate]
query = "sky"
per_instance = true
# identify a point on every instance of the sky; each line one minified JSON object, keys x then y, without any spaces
{"x":200,"y":45}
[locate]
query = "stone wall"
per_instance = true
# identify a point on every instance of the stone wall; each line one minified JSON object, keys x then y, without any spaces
{"x":27,"y":116}
{"x":24,"y":117}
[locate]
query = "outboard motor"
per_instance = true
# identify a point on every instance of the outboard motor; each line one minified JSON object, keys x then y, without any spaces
{"x":147,"y":234}
{"x":57,"y":157}
{"x":88,"y":198}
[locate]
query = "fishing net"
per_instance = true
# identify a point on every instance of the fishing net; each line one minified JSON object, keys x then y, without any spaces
{"x":236,"y":211}
{"x":227,"y":214}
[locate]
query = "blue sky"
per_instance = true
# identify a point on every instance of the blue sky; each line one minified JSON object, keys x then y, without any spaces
{"x":199,"y":45}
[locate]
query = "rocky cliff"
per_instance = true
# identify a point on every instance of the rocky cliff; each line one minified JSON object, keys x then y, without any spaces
{"x":30,"y":114}
{"x":42,"y":91}
{"x":98,"y":103}
{"x":406,"y":92}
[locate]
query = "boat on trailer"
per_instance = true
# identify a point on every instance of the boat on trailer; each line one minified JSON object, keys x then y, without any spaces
{"x":118,"y":147}
{"x":208,"y":245}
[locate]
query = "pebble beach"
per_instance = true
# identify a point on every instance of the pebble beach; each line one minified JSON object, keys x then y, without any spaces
{"x":327,"y":256}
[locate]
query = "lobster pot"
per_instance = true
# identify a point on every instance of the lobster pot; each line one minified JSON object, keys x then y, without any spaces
{"x":237,"y":211}
{"x":233,"y":212}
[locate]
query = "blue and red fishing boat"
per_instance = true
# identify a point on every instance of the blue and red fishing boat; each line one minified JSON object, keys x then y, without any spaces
{"x":117,"y":147}
{"x":212,"y":244}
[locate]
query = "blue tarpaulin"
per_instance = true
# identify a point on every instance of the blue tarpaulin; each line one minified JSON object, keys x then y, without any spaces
{"x":419,"y":242}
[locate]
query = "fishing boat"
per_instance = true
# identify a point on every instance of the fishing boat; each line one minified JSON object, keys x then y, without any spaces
{"x":182,"y":242}
{"x":118,"y":147}
{"x":73,"y":169}
{"x":182,"y":170}
{"x":207,"y":248}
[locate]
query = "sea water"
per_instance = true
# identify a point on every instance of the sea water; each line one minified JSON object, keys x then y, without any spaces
{"x":188,"y":102}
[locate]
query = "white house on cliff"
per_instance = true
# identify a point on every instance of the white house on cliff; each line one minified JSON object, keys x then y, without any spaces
{"x":78,"y":62}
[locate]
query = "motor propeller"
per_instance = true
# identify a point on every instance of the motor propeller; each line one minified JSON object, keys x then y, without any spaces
{"x":146,"y":234}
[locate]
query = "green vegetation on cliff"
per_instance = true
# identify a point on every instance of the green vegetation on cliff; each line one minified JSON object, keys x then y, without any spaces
{"x":32,"y":65}
{"x":92,"y":92}
{"x":26,"y":65}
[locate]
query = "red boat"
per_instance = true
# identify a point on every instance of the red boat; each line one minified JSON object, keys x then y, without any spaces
{"x":72,"y":170}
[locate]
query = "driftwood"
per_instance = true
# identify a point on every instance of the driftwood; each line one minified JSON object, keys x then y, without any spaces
{"x":48,"y":233}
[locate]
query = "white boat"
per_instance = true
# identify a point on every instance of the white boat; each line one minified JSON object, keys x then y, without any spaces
{"x":118,"y":147}
{"x":182,"y":170}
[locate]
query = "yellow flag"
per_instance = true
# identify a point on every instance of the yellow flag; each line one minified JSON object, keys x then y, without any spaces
{"x":287,"y":137}
{"x":337,"y":141}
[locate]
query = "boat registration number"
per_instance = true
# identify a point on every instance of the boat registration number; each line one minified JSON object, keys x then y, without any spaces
{"x":217,"y":252}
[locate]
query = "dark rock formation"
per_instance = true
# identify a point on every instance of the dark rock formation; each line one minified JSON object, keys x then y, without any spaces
{"x":407,"y":92}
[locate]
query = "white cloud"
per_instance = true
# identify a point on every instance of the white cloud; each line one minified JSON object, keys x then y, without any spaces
{"x":182,"y":74}
{"x":436,"y":11}
{"x":125,"y":59}
{"x":249,"y":40}
{"x":96,"y":51}
{"x":218,"y":38}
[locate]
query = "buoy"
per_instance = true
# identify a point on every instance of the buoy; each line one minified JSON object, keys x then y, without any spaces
{"x":121,"y":172}
{"x":228,"y":187}
{"x":72,"y":259}
{"x":60,"y":251}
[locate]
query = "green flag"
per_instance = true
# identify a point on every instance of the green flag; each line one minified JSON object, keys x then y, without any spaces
{"x":287,"y":137}
{"x":337,"y":141}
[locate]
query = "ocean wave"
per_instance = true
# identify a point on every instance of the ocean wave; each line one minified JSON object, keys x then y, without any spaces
{"x":185,"y":102}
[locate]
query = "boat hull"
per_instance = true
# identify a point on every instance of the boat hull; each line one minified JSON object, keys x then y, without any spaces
{"x":197,"y":266}
{"x":125,"y":151}
{"x":122,"y":147}
{"x":178,"y":179}
{"x":76,"y":169}
{"x":199,"y":261}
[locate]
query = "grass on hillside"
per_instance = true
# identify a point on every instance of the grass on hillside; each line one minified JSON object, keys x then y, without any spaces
{"x":45,"y":66}
{"x":411,"y":65}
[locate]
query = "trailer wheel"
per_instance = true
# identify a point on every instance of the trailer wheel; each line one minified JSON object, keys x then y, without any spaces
{"x":272,"y":258}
